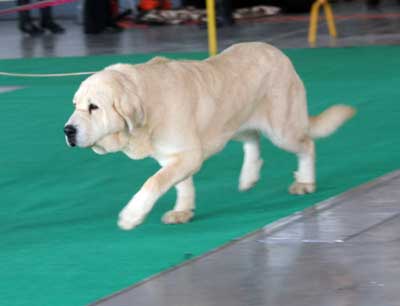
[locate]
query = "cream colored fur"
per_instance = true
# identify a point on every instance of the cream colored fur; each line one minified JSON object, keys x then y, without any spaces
{"x":182,"y":112}
{"x":329,"y":120}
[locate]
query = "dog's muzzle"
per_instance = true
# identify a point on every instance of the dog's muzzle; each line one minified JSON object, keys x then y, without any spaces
{"x":70,"y":132}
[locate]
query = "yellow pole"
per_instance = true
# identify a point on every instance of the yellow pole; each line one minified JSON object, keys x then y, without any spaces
{"x":330,"y":19}
{"x":312,"y":31}
{"x":212,"y":28}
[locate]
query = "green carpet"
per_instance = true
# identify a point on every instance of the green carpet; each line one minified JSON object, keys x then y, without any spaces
{"x":58,"y":236}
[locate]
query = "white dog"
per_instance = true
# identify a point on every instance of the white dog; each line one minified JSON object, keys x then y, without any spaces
{"x":182,"y":112}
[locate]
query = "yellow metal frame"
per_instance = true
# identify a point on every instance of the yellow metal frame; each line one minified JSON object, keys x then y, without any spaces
{"x":312,"y":33}
{"x":330,"y":19}
{"x":212,"y":28}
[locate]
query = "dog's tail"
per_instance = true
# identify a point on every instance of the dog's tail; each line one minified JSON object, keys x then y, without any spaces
{"x":329,"y":120}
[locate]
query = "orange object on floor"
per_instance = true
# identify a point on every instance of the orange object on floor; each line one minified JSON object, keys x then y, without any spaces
{"x":147,"y":5}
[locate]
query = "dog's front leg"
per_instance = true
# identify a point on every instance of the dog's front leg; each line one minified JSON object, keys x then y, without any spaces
{"x":176,"y":169}
{"x":184,"y":206}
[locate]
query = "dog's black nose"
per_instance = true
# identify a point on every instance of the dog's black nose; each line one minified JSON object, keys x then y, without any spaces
{"x":70,"y":130}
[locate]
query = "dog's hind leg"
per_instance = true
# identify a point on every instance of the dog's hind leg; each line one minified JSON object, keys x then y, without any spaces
{"x":185,"y":203}
{"x":252,"y":162}
{"x":305,"y":174}
{"x":295,"y":139}
{"x":304,"y":148}
{"x":283,"y":118}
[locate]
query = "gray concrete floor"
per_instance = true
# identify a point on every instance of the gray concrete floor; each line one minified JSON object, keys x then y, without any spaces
{"x":344,"y":251}
{"x":356,"y":26}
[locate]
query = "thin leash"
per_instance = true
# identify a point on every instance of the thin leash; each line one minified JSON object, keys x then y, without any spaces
{"x":48,"y":75}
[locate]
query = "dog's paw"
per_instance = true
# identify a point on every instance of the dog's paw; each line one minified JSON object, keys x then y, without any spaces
{"x":247,"y":184}
{"x":250,"y":175}
{"x":128,"y":221}
{"x":302,"y":188}
{"x":175,"y":217}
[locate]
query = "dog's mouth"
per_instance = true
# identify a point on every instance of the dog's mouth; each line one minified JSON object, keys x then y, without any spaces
{"x":71,"y":142}
{"x":70,"y":132}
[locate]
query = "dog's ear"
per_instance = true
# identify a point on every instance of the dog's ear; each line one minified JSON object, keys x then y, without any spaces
{"x":129,"y":106}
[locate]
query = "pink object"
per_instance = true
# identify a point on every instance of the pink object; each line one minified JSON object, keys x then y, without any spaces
{"x":38,"y":5}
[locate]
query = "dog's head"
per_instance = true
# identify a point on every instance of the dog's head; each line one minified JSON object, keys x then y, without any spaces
{"x":105,"y":104}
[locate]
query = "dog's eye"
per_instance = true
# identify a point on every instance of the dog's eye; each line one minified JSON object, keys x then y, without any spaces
{"x":92,"y":107}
